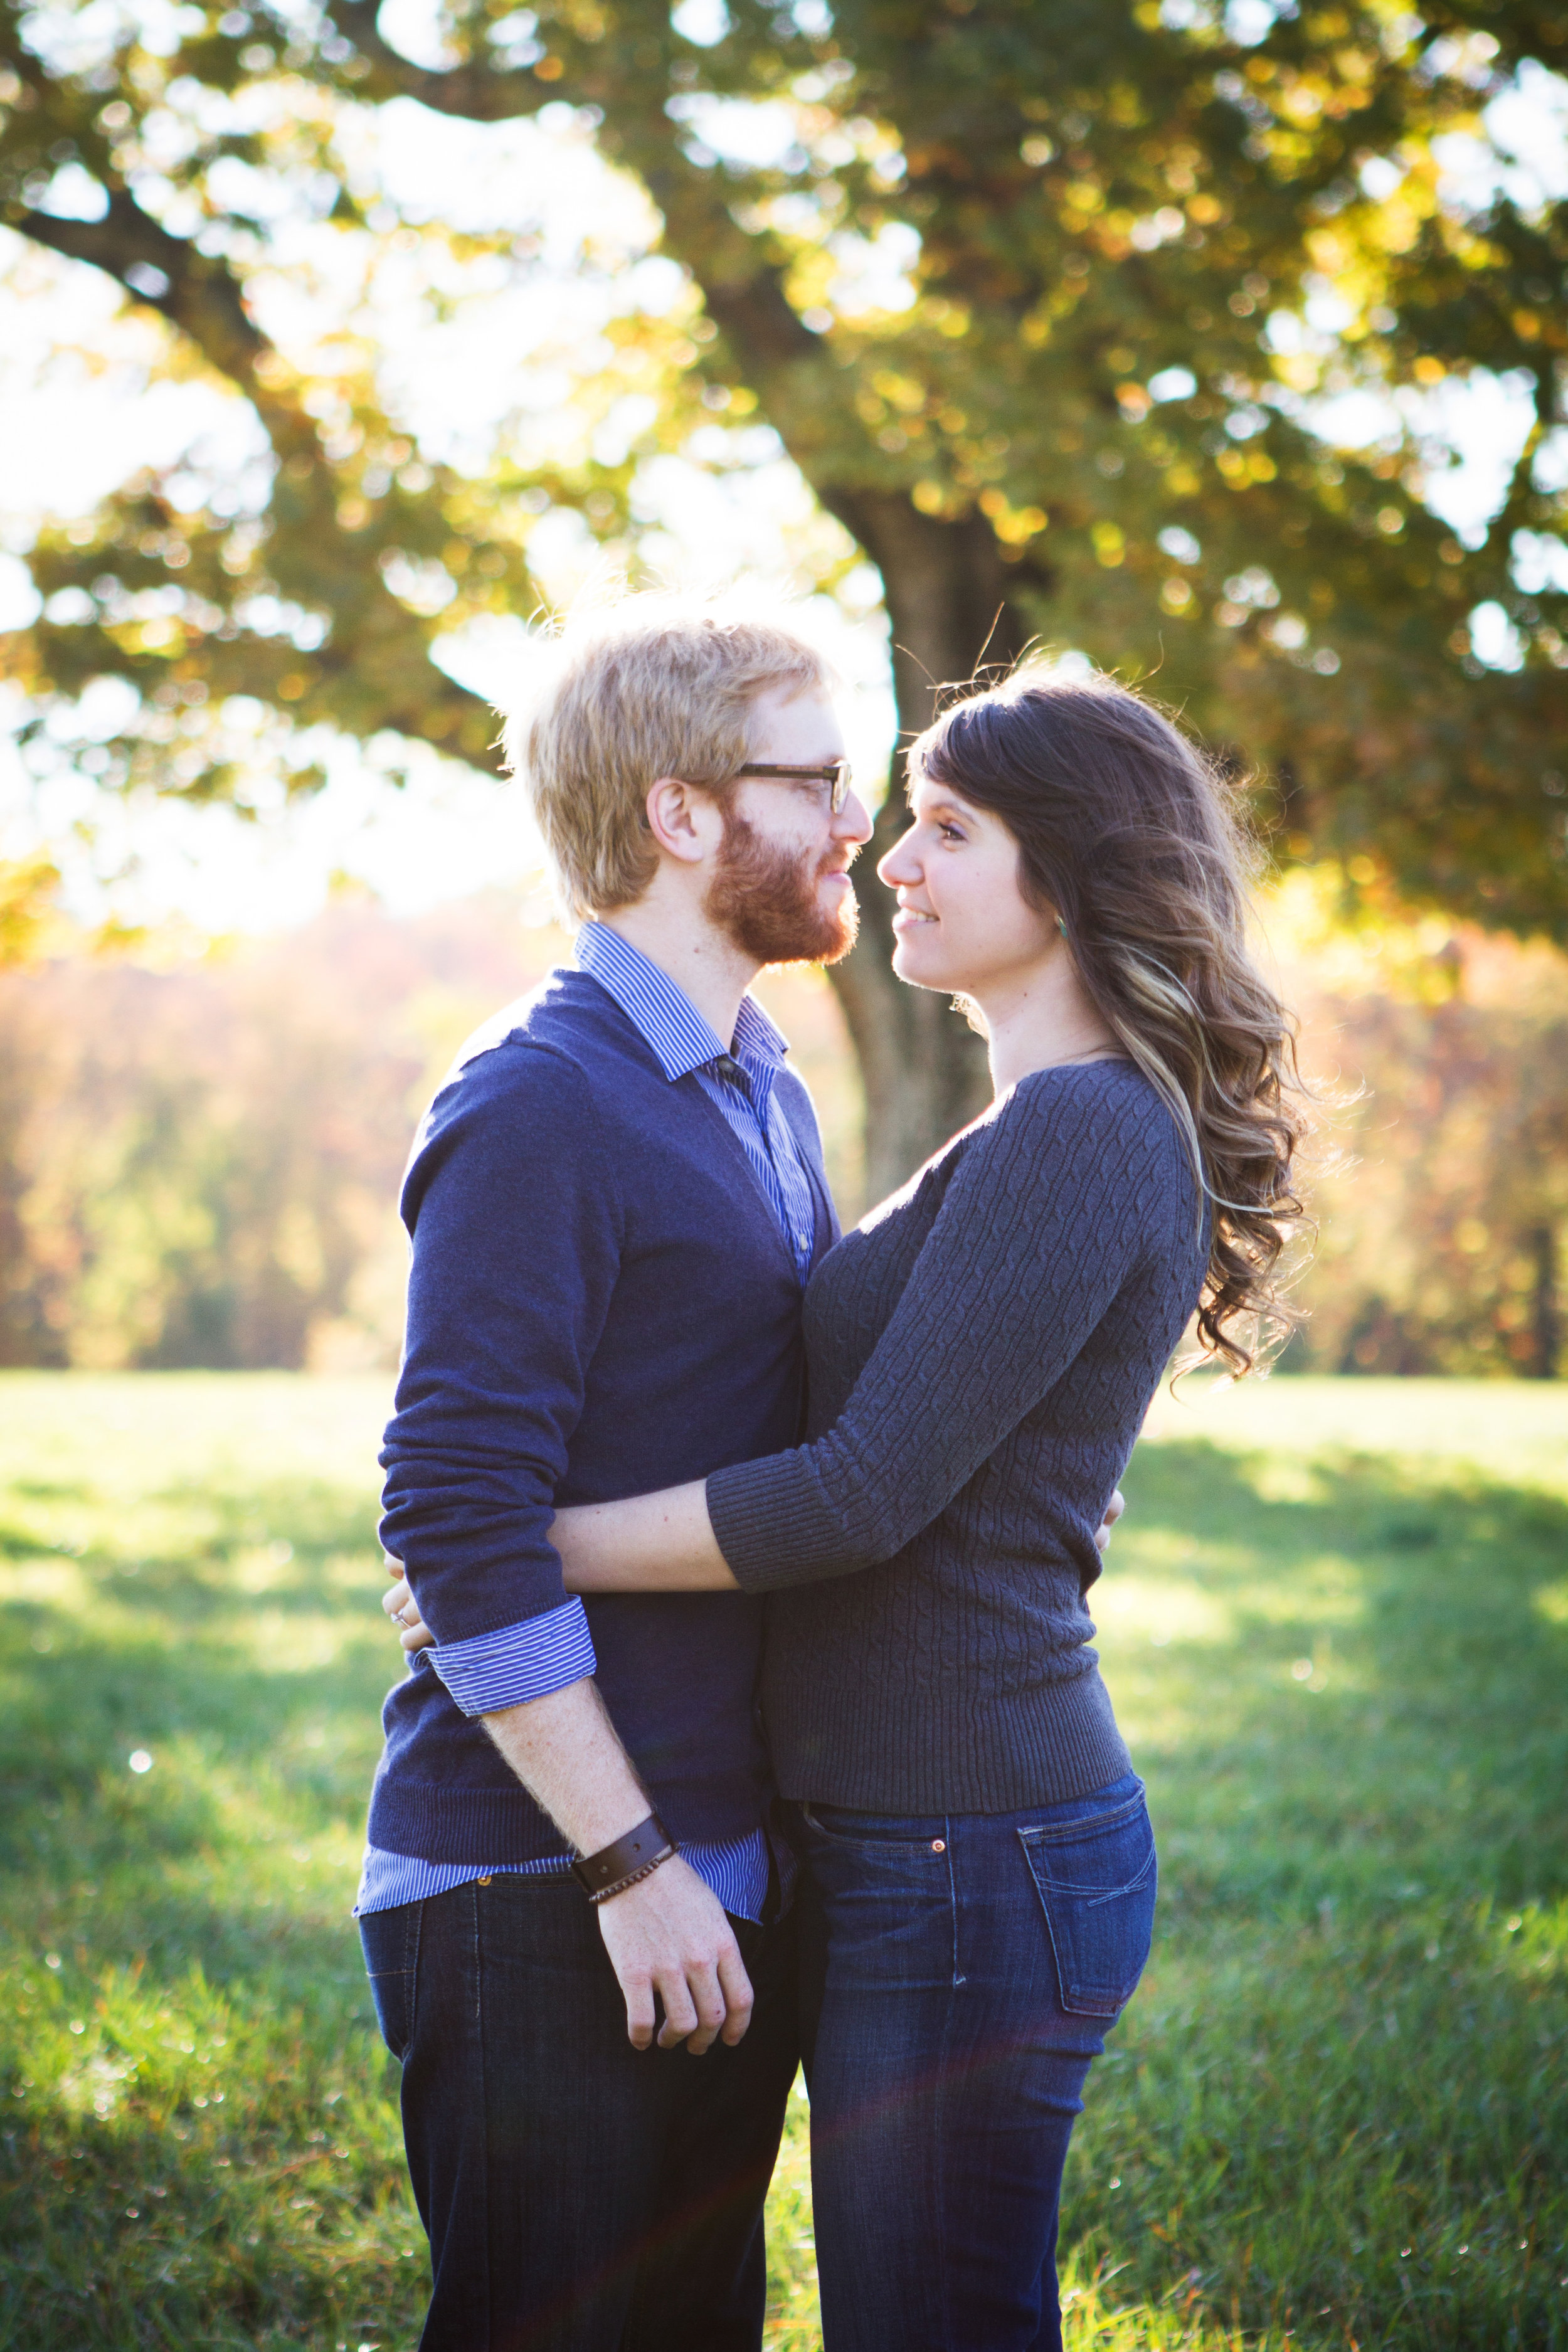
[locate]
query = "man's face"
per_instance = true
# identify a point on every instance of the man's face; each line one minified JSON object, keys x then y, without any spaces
{"x":781,"y":888}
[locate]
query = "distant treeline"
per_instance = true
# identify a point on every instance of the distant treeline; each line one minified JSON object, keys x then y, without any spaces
{"x":1440,"y":1246}
{"x":199,"y":1158}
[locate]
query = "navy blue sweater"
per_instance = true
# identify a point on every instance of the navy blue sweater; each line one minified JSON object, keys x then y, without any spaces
{"x":601,"y":1302}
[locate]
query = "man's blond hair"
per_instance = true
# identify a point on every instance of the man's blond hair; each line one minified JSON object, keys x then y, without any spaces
{"x":651,"y":686}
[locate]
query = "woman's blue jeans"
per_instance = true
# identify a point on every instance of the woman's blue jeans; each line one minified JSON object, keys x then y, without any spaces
{"x":960,"y":1973}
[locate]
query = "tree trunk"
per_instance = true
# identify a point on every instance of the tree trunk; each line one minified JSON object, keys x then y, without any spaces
{"x":924,"y":1067}
{"x":1546,"y":1329}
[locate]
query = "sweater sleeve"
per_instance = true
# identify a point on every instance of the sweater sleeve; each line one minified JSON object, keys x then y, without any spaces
{"x":1046,"y":1217}
{"x":514,"y":1221}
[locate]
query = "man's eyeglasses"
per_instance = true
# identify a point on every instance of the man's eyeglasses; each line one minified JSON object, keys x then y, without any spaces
{"x":836,"y":775}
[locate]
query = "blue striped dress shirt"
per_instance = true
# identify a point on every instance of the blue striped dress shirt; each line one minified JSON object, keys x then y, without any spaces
{"x":546,"y":1654}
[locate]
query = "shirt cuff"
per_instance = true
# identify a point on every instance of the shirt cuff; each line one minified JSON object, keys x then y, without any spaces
{"x":542,"y":1655}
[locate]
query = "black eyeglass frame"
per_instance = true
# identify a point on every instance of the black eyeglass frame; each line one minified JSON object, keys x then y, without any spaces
{"x":836,"y":774}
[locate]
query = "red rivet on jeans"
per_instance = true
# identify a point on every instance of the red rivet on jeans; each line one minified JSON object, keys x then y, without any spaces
{"x":938,"y":1846}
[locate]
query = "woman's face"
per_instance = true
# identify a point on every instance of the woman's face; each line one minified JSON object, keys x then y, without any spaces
{"x":963,"y":924}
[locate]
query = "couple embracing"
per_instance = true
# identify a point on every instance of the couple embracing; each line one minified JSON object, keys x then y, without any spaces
{"x":752,"y":1714}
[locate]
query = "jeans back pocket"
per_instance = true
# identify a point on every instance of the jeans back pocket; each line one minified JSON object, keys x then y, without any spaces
{"x":1097,"y":1877}
{"x":391,"y":1942}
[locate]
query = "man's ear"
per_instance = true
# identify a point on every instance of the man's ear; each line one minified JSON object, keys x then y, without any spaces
{"x":687,"y":822}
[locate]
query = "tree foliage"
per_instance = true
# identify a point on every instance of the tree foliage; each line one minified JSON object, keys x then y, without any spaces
{"x":27,"y":887}
{"x":1134,"y":244}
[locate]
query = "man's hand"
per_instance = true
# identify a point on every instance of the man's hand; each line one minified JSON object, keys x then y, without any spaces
{"x":1113,"y":1511}
{"x":668,"y":1935}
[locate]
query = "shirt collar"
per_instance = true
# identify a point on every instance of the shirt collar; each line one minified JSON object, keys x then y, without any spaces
{"x":664,"y":1015}
{"x":756,"y":1037}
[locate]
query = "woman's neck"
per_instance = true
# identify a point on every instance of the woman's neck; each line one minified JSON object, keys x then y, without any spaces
{"x":1040,"y":1017}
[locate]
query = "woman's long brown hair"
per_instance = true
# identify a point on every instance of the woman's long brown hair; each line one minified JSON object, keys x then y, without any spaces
{"x":1128,"y":836}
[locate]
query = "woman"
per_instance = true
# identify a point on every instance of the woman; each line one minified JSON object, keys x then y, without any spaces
{"x":979,"y":1877}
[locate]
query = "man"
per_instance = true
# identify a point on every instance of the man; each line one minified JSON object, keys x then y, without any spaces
{"x":614,"y":1206}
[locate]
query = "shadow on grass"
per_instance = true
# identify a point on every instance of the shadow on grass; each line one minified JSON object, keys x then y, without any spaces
{"x":1338,"y":2104}
{"x":260,"y":1709}
{"x":202,"y":2142}
{"x":1376,"y":1698}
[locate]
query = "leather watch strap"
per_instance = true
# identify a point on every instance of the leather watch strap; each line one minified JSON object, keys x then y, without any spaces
{"x":629,"y":1858}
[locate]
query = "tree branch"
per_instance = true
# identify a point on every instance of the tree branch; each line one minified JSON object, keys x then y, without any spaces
{"x":373,"y":635}
{"x":201,"y":301}
{"x":475,"y":91}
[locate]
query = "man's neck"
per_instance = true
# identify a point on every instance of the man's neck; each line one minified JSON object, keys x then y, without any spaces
{"x":703,"y":963}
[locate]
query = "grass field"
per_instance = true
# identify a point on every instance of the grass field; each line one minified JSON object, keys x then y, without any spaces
{"x":1336,"y":1628}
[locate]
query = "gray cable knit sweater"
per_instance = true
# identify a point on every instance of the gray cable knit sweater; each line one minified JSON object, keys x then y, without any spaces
{"x":982,"y":1351}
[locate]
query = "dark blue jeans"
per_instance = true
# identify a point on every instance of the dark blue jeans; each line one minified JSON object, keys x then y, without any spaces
{"x":959,"y":1974}
{"x":579,"y":2195}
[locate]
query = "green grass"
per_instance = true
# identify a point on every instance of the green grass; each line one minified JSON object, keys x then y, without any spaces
{"x":1336,"y":1627}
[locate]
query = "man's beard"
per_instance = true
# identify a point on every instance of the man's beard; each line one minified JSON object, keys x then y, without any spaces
{"x":763,"y":897}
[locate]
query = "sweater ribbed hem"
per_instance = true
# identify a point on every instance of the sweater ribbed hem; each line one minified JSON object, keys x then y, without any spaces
{"x":908,"y":1752}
